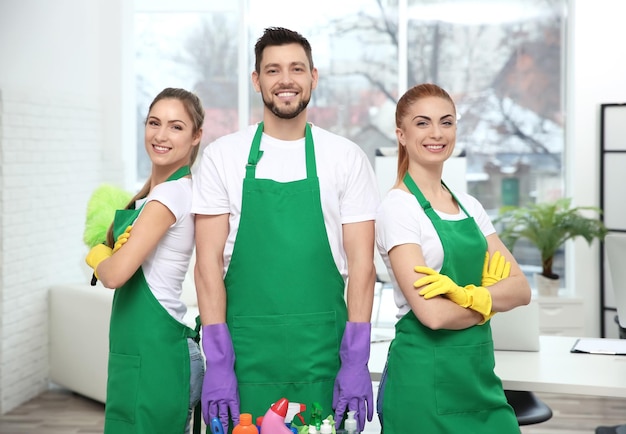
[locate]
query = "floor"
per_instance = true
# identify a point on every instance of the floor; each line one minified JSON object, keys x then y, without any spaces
{"x":58,"y":411}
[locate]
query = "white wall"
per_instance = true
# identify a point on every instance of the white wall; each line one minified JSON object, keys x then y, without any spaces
{"x":596,"y":74}
{"x":60,"y":99}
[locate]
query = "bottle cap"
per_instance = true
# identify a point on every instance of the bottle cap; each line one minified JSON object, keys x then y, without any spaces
{"x":259,"y":420}
{"x":280,"y":407}
{"x":245,"y":419}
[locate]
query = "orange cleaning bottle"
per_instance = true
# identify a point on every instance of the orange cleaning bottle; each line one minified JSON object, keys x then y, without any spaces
{"x":245,"y":425}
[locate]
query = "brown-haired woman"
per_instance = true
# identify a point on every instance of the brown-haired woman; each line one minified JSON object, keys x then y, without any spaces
{"x":155,"y":365}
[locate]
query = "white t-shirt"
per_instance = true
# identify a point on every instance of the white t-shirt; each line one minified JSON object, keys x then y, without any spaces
{"x":349,"y":192}
{"x":165,"y":268}
{"x":401,"y":220}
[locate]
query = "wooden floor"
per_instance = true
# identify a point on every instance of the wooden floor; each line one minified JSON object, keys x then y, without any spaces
{"x":60,"y":412}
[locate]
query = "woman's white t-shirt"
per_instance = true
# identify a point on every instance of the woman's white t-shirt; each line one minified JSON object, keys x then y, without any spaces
{"x":165,"y":268}
{"x":401,"y":220}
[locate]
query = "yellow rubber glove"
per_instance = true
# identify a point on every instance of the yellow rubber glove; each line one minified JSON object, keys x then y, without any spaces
{"x":121,"y":240}
{"x":476,"y":298}
{"x":496,"y":269}
{"x":96,"y":255}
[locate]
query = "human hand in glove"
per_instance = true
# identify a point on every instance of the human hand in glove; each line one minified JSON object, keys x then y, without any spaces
{"x":97,"y":254}
{"x":476,"y":298}
{"x":353,"y":384}
{"x":121,"y":240}
{"x":496,"y":269}
{"x":219,"y":389}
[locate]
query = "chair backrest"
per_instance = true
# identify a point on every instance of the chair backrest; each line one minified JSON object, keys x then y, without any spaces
{"x":615,"y":248}
{"x":517,"y":329}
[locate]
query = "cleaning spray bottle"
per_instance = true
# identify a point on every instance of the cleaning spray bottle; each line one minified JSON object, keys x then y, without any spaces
{"x":350,"y":423}
{"x":274,"y":419}
{"x":326,"y":427}
{"x":316,"y":416}
{"x":245,"y":425}
{"x":294,"y":409}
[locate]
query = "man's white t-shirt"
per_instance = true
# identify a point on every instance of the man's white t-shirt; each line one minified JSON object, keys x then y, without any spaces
{"x":165,"y":268}
{"x":401,"y":220}
{"x":348,"y":187}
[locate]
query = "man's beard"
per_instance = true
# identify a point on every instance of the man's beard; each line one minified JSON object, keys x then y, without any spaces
{"x":282,"y":113}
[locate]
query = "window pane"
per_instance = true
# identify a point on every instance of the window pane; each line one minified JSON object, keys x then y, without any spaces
{"x":193,"y":50}
{"x":356,"y":63}
{"x":502,"y":63}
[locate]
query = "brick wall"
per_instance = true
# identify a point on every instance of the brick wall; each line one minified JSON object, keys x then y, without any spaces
{"x":50,"y":151}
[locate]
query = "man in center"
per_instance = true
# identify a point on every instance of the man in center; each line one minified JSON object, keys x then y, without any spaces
{"x":284,"y":252}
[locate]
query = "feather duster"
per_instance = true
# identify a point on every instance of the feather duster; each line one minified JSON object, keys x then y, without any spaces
{"x":104,"y":201}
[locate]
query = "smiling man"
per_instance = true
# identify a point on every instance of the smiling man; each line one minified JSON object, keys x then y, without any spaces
{"x":284,"y":245}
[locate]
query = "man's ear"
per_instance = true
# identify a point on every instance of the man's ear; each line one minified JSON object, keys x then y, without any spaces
{"x":255,"y":81}
{"x":315,"y":75}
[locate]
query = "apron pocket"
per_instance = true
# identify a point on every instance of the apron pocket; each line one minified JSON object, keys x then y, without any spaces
{"x":288,"y":348}
{"x":464,"y":379}
{"x":122,"y":386}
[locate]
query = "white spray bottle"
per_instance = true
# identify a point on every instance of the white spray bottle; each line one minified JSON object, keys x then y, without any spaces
{"x":326,"y":428}
{"x":350,"y":423}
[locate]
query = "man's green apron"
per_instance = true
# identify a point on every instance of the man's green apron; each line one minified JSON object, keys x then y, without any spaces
{"x":286,"y":311}
{"x":148,"y":374}
{"x":443,"y":381}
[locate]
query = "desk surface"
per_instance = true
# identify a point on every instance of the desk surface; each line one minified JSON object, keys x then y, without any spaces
{"x":553,"y":369}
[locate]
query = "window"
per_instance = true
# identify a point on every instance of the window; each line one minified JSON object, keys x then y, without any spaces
{"x":501,"y":60}
{"x":192,"y":45}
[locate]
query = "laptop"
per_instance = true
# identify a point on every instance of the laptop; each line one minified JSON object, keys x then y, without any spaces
{"x":615,"y":244}
{"x":517,"y":329}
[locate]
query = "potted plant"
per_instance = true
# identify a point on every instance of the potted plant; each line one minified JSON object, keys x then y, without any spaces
{"x":548,"y":226}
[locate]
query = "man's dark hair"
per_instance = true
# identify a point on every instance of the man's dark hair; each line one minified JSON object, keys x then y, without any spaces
{"x":273,"y":36}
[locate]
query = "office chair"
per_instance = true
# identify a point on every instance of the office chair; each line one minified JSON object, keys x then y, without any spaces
{"x":528,"y":408}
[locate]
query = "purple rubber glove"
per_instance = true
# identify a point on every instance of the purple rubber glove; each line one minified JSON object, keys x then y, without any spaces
{"x":353,"y":385}
{"x":219,"y":390}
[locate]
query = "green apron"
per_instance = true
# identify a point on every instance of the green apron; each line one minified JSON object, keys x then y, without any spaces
{"x":148,"y":373}
{"x":286,"y":311}
{"x":443,"y":381}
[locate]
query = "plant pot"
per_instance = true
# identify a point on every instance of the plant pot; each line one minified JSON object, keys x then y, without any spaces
{"x":547,"y":286}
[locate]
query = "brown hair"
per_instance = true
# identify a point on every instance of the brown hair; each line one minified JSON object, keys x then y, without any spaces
{"x":194,"y":109}
{"x":409,"y":98}
{"x":274,"y":36}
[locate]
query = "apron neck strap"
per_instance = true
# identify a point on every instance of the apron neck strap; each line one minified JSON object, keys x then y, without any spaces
{"x":256,"y":153}
{"x":179,"y":173}
{"x":426,"y":206}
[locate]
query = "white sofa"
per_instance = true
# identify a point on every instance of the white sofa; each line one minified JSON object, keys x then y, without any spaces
{"x":79,"y":334}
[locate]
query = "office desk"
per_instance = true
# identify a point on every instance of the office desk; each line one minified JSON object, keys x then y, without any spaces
{"x":553,"y":369}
